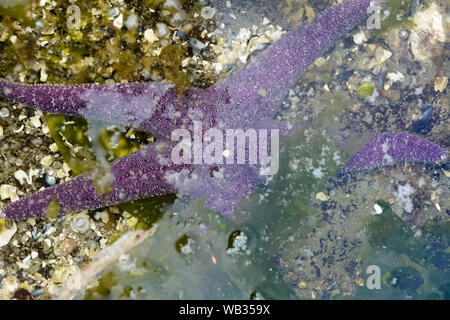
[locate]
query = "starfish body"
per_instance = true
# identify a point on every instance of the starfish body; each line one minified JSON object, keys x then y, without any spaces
{"x":248,"y":99}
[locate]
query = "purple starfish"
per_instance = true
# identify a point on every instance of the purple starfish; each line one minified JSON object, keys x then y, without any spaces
{"x":248,"y":99}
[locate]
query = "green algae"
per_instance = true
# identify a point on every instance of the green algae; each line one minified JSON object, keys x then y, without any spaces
{"x":407,"y":279}
{"x":148,"y":211}
{"x":164,"y":271}
{"x":181,"y":242}
{"x":171,"y":58}
{"x":232,"y":237}
{"x":124,"y":145}
{"x":308,"y":159}
{"x":16,"y":9}
{"x":53,"y":209}
{"x":3,"y":225}
{"x":388,"y":231}
{"x":365,"y":89}
{"x":69,"y":134}
{"x":399,"y":15}
{"x":104,"y":287}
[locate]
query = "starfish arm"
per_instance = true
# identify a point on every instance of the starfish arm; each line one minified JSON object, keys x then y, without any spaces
{"x":151,"y":107}
{"x":128,"y":104}
{"x":389,"y":148}
{"x":139,"y":175}
{"x":51,"y":98}
{"x":97,"y":101}
{"x":258,"y":89}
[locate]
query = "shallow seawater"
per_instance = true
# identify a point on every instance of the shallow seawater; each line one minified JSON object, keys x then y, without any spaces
{"x":310,"y":231}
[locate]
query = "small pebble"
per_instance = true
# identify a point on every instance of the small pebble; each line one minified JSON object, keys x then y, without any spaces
{"x":113,"y":12}
{"x":36,"y":293}
{"x":6,"y":233}
{"x":8,"y":192}
{"x":22,"y":177}
{"x":132,"y":22}
{"x":37,"y":141}
{"x":67,"y":246}
{"x":162,"y":30}
{"x":118,"y":22}
{"x":208,"y":13}
{"x":231,"y":15}
{"x":48,"y":180}
{"x":196,"y":44}
{"x":81,"y":223}
{"x":403,"y":34}
{"x":4,"y":112}
{"x":47,"y":161}
{"x":150,"y":36}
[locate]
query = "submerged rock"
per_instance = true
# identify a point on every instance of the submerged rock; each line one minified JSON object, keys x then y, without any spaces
{"x":428,"y":33}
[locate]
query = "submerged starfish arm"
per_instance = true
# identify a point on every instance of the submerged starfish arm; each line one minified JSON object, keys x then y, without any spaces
{"x":390,"y":148}
{"x":77,"y":99}
{"x":151,"y":107}
{"x":258,"y":89}
{"x":138,"y":175}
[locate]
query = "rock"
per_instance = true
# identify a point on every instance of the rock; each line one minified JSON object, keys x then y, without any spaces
{"x":118,"y":22}
{"x":132,"y":22}
{"x":196,"y":44}
{"x":395,"y":76}
{"x":162,"y":30}
{"x":8,"y":192}
{"x":6,"y":233}
{"x":67,"y":246}
{"x":47,"y":161}
{"x":150,"y":36}
{"x":22,"y":177}
{"x":322,"y":196}
{"x":35,"y":121}
{"x":440,"y":83}
{"x":208,"y":13}
{"x":81,"y":223}
{"x":48,"y":180}
{"x":428,"y":33}
{"x":382,"y":55}
{"x":374,"y":63}
{"x":359,"y":37}
{"x":4,"y":112}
